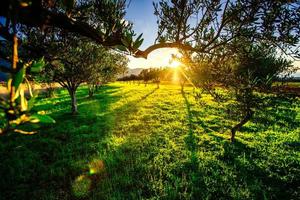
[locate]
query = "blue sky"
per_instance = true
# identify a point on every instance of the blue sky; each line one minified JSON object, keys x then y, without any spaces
{"x":140,"y":12}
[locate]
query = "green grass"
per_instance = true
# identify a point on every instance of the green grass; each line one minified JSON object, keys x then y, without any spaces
{"x":136,"y":142}
{"x":293,"y":84}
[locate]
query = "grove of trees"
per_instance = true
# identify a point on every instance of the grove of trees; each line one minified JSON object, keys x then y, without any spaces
{"x":211,"y":136}
{"x":218,"y":39}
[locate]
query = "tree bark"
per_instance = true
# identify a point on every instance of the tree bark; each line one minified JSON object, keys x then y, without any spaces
{"x":182,"y":86}
{"x":72,"y":93}
{"x":50,"y":90}
{"x":97,"y":87}
{"x":238,"y":126}
{"x":15,"y":60}
{"x":92,"y":89}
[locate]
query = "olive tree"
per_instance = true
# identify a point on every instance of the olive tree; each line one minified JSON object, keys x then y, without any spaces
{"x":196,"y":25}
{"x":104,"y":24}
{"x":253,"y":73}
{"x":105,"y":68}
{"x":245,"y":76}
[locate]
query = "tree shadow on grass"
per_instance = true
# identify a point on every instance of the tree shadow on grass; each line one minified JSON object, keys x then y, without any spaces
{"x":230,"y":171}
{"x":211,"y":119}
{"x":50,"y":159}
{"x":190,"y":139}
{"x":62,"y":103}
{"x":45,"y":164}
{"x":254,"y":172}
{"x":237,"y":171}
{"x":280,"y":112}
{"x":122,"y":174}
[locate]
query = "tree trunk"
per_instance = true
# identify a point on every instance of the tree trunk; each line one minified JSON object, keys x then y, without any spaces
{"x":182,"y":86}
{"x":238,"y":126}
{"x":50,"y":90}
{"x":97,"y":87}
{"x":15,"y":60}
{"x":91,"y":92}
{"x":92,"y":89}
{"x":72,"y":93}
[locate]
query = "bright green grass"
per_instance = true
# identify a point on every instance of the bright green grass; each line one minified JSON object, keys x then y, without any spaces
{"x":136,"y":142}
{"x":293,"y":84}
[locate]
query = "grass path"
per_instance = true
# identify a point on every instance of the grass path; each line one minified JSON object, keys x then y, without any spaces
{"x":136,"y":142}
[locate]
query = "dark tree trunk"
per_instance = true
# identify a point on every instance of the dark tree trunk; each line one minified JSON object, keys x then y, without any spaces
{"x":50,"y":90}
{"x":91,"y":92}
{"x":92,"y":89}
{"x":72,"y":93}
{"x":238,"y":126}
{"x":97,"y":87}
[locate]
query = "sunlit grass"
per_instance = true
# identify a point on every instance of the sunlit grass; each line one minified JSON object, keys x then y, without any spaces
{"x":137,"y":142}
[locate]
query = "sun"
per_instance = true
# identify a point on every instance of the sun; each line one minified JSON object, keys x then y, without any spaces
{"x":175,"y":64}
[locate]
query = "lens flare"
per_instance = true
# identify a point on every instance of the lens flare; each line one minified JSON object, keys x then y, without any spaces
{"x":175,"y":64}
{"x":175,"y":77}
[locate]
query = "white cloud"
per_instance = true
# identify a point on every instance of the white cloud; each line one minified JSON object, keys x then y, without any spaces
{"x":158,"y":58}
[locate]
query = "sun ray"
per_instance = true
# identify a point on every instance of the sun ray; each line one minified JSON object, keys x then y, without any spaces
{"x":175,"y":64}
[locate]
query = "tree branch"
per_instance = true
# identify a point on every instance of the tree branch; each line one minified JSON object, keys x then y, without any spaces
{"x":146,"y":52}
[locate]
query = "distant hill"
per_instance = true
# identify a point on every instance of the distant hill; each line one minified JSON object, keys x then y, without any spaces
{"x":135,"y":71}
{"x":297,"y":74}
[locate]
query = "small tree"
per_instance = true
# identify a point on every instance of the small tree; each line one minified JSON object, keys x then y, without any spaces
{"x":105,"y":68}
{"x":156,"y":74}
{"x":72,"y":64}
{"x":255,"y":71}
{"x":145,"y":76}
{"x":97,"y":60}
{"x":251,"y":70}
{"x":182,"y":76}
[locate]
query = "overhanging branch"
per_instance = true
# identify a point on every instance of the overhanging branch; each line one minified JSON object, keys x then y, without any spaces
{"x":146,"y":52}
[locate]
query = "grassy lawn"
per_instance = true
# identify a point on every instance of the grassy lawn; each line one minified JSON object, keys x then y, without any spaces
{"x":136,"y":142}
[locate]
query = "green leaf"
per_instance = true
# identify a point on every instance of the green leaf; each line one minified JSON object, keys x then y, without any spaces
{"x":125,"y":42}
{"x":41,"y":119}
{"x":137,"y":43}
{"x":19,"y":77}
{"x":31,"y":102}
{"x":37,"y":66}
{"x":139,"y":37}
{"x":23,"y":100}
{"x":128,"y":36}
{"x":121,"y":48}
{"x":162,"y":39}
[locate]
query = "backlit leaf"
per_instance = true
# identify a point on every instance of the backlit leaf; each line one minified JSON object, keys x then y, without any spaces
{"x":37,"y":66}
{"x":19,"y":77}
{"x":41,"y":118}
